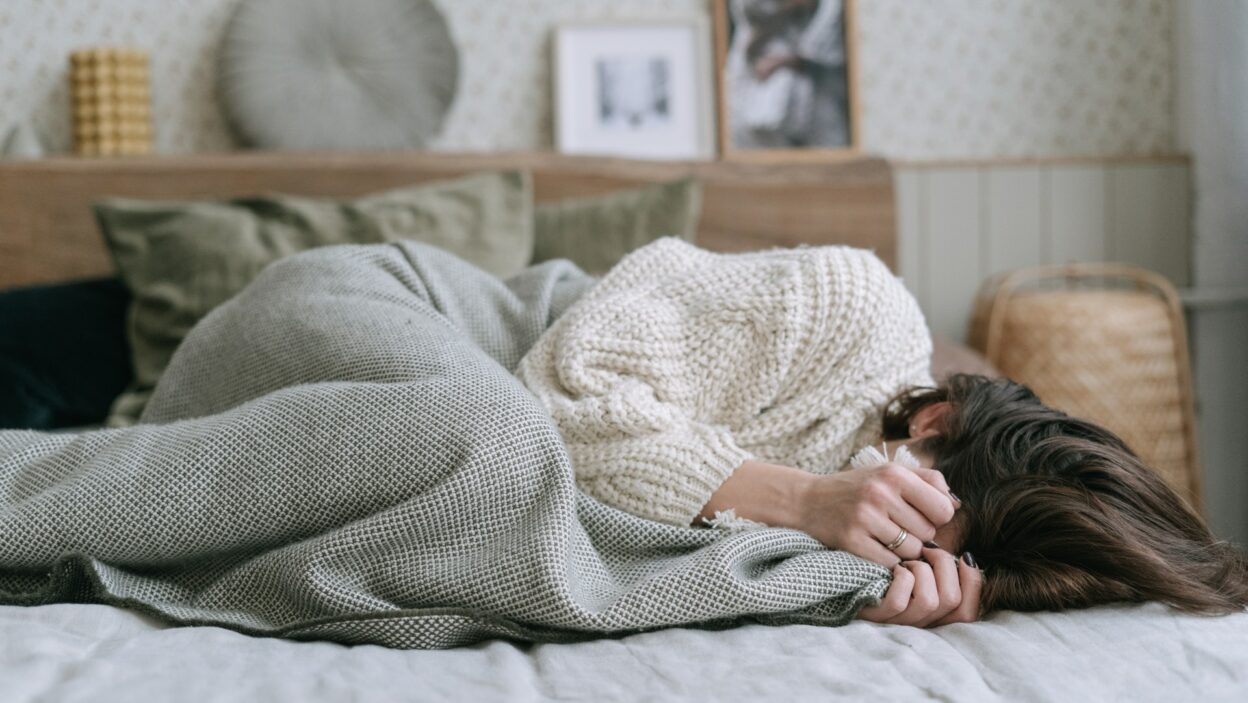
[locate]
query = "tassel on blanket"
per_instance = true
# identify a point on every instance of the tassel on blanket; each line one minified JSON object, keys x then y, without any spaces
{"x":730,"y":521}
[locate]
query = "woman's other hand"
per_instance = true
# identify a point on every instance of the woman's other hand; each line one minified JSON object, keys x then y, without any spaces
{"x":864,"y":510}
{"x":940,"y":590}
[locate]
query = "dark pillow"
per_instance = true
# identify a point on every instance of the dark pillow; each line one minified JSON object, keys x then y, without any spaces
{"x":63,"y":353}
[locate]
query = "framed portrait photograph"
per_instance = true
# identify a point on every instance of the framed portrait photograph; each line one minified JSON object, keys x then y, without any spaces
{"x":637,"y":89}
{"x":786,"y":74}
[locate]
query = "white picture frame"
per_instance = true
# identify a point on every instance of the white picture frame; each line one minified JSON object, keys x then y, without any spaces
{"x":635,"y":88}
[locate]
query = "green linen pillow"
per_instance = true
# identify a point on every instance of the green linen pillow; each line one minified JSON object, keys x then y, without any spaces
{"x":596,"y":232}
{"x":180,"y":259}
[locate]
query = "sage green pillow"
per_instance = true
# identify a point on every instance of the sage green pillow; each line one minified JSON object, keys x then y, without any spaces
{"x":596,"y":232}
{"x":180,"y":259}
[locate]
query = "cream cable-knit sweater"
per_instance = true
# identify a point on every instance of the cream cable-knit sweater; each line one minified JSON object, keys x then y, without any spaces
{"x":682,"y":363}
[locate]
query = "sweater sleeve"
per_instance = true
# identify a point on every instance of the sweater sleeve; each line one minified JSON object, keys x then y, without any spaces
{"x":629,"y":376}
{"x":642,"y":455}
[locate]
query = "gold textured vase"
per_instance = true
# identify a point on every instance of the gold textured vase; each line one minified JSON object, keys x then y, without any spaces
{"x":111,"y":97}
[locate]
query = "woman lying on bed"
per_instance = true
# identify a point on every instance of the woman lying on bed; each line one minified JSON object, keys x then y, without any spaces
{"x":687,"y":384}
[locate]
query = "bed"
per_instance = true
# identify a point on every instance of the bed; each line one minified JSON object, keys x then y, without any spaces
{"x":97,"y":652}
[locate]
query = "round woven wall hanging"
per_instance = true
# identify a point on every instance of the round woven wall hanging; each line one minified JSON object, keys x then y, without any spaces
{"x":368,"y":74}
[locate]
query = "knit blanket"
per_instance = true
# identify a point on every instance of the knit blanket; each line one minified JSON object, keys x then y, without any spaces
{"x":341,"y":452}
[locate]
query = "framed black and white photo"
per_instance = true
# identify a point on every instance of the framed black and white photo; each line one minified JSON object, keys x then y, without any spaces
{"x":639,"y":89}
{"x":787,"y":77}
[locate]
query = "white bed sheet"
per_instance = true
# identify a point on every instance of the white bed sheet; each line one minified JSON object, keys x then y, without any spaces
{"x":99,"y":653}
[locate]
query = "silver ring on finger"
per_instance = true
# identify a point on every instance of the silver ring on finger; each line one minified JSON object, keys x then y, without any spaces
{"x":901,"y":538}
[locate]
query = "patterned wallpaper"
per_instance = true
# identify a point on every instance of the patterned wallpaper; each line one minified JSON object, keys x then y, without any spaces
{"x":36,"y":37}
{"x":990,"y":78}
{"x":949,"y":79}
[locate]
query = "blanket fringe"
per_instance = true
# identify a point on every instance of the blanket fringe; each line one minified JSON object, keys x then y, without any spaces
{"x":730,"y":521}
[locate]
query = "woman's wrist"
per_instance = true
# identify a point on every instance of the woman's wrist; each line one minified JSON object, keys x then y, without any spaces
{"x":772,"y":494}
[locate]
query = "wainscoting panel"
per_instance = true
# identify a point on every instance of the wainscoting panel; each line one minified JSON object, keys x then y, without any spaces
{"x":1219,"y":356}
{"x":1077,"y":214}
{"x":910,"y":254}
{"x":953,"y":260}
{"x":1013,"y":200}
{"x":1149,"y":205}
{"x":959,"y":224}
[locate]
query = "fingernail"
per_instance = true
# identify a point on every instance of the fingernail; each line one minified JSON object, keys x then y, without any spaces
{"x":954,"y":496}
{"x":931,"y":545}
{"x":969,"y":559}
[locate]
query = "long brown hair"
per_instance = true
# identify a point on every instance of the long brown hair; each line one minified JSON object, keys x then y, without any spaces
{"x":1060,"y":513}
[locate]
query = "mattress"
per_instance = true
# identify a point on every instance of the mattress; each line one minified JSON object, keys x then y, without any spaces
{"x":1138,"y":652}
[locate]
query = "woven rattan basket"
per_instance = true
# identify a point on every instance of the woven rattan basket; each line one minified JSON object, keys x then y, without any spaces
{"x":1105,"y":342}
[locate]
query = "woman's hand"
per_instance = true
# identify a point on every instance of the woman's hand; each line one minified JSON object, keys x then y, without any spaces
{"x":863,"y":510}
{"x":941,"y":590}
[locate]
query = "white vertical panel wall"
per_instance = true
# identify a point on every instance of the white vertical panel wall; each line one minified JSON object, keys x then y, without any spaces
{"x":953,"y":254}
{"x":959,"y":224}
{"x":1077,"y":209}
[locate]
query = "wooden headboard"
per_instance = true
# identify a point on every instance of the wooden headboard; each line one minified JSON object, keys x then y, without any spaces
{"x":47,"y":233}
